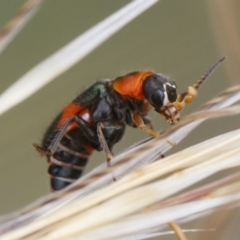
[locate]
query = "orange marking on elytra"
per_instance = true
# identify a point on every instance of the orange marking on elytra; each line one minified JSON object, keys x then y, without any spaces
{"x":74,"y":109}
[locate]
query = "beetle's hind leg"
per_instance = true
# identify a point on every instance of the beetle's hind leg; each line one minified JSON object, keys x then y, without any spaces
{"x":83,"y":125}
{"x":41,"y":150}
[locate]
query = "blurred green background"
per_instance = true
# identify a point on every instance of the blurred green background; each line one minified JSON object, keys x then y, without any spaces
{"x":181,"y":39}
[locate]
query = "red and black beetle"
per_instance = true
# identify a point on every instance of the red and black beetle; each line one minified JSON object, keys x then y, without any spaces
{"x":97,"y":118}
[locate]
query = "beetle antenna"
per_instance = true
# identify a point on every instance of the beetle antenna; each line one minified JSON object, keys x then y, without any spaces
{"x":208,"y":73}
{"x":190,"y":94}
{"x":182,"y":96}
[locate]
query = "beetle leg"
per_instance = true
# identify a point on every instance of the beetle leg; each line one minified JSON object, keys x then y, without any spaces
{"x":140,"y":124}
{"x":138,"y":120}
{"x":105,"y":147}
{"x":41,"y":150}
{"x":83,"y":125}
{"x":146,"y":108}
{"x":148,"y":122}
{"x":103,"y":142}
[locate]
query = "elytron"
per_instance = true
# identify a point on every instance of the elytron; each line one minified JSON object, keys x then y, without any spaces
{"x":97,"y":118}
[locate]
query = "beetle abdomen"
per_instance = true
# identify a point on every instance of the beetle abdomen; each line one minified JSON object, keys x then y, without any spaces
{"x":67,"y":163}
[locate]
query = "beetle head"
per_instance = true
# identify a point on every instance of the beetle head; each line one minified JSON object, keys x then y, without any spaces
{"x":160,"y":92}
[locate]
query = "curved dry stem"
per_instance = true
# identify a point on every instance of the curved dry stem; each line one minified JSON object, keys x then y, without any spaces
{"x":11,"y":29}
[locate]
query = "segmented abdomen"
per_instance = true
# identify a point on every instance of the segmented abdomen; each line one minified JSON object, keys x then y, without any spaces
{"x":67,"y":163}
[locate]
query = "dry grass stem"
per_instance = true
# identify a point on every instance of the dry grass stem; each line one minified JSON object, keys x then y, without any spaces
{"x":151,"y":192}
{"x":178,"y":231}
{"x":24,"y":15}
{"x":144,"y":195}
{"x":70,"y":54}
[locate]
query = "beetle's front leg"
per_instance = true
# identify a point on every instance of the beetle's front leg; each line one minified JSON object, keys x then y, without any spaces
{"x":147,"y":121}
{"x":138,"y":120}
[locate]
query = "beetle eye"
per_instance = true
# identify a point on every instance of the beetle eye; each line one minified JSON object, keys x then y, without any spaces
{"x":157,"y":99}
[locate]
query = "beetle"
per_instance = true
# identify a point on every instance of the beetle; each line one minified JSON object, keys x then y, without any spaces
{"x":97,"y":118}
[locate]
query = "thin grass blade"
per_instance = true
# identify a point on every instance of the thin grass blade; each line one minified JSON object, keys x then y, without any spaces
{"x":24,"y":15}
{"x":69,"y":55}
